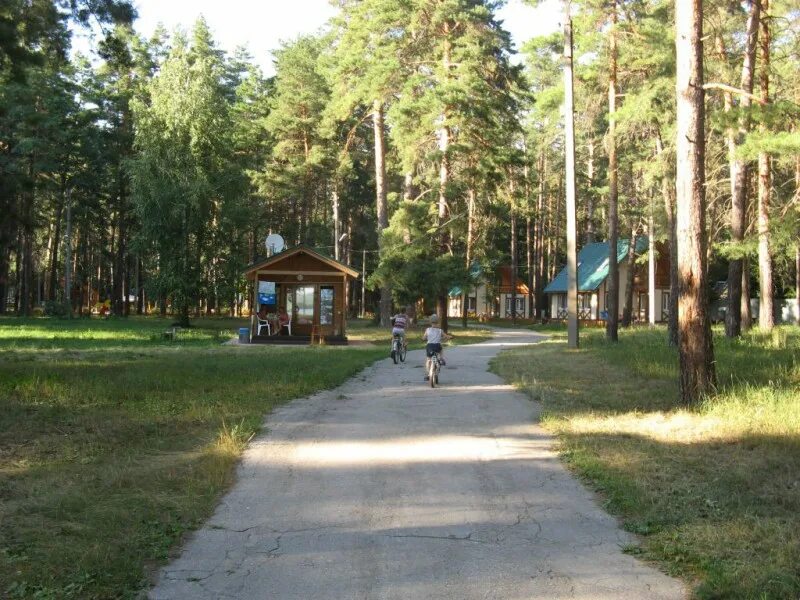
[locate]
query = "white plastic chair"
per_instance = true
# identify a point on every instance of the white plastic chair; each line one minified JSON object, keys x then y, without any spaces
{"x":263,"y":323}
{"x":289,"y":326}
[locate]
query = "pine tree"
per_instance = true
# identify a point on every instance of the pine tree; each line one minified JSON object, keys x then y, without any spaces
{"x":696,"y":350}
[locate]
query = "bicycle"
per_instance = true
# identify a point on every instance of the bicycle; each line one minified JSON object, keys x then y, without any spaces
{"x":434,"y":366}
{"x":399,"y":348}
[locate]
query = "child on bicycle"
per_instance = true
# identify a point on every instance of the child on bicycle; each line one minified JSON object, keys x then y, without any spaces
{"x":400,"y":323}
{"x":434,"y":336}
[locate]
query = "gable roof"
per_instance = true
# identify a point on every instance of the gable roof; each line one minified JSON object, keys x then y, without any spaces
{"x":250,"y":270}
{"x":593,"y":266}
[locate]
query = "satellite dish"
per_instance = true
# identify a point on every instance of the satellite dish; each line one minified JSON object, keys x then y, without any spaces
{"x":274,"y":243}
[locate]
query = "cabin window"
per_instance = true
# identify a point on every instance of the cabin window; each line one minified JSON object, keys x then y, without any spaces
{"x":664,"y":305}
{"x":472,"y":303}
{"x":326,"y":305}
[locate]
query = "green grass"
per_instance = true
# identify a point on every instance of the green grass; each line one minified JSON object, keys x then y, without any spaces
{"x":36,"y":334}
{"x":114,"y":443}
{"x":714,"y":491}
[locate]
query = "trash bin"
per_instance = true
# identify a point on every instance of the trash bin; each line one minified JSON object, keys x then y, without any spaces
{"x":244,"y":335}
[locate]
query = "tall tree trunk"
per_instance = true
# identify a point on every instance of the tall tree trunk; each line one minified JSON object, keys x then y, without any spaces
{"x":745,"y":308}
{"x":669,"y":211}
{"x":409,"y":193}
{"x":766,"y":319}
{"x":796,"y":250}
{"x":52,"y":288}
{"x":513,"y":250}
{"x":571,"y":210}
{"x":7,"y":225}
{"x":380,"y":196}
{"x":139,"y":289}
{"x":28,"y":233}
{"x":5,"y":255}
{"x":651,"y":266}
{"x":529,"y":263}
{"x":739,"y":172}
{"x":612,"y":287}
{"x":550,"y":249}
{"x":696,"y":349}
{"x":529,"y":252}
{"x":444,"y":242}
{"x":630,"y":263}
{"x":470,"y":242}
{"x":590,"y":228}
{"x":540,"y":247}
{"x":117,"y":284}
{"x":797,"y":278}
{"x":18,"y":272}
{"x":68,"y":257}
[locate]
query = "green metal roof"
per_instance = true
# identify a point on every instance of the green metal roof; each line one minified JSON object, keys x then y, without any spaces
{"x":593,"y":266}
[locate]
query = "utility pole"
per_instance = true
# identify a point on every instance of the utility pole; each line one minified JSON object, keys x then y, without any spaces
{"x":336,"y":224}
{"x":572,"y":227}
{"x":363,"y":283}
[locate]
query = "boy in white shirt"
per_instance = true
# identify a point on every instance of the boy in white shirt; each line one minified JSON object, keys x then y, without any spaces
{"x":434,"y":336}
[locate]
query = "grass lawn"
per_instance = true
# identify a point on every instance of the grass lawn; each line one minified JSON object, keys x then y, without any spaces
{"x":714,"y":491}
{"x":115,"y":442}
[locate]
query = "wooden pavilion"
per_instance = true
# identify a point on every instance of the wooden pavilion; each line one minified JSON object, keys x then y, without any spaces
{"x":310,"y":287}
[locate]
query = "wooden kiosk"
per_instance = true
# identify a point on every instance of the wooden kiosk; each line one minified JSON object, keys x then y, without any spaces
{"x":311,"y":288}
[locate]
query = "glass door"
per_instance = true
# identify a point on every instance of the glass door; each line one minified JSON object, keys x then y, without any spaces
{"x":304,"y":305}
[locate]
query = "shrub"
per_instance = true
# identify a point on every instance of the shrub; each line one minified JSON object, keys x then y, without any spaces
{"x":57,"y":308}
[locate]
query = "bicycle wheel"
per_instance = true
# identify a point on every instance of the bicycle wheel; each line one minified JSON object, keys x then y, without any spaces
{"x":394,"y":352}
{"x":436,"y":373}
{"x":432,"y":374}
{"x":403,"y":351}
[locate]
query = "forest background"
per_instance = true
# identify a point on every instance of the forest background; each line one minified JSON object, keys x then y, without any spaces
{"x":150,"y":175}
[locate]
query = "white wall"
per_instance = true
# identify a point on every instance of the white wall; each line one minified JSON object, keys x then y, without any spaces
{"x":786,"y":310}
{"x":482,"y":304}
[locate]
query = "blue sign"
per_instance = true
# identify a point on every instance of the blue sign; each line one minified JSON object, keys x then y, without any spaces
{"x":266,"y":292}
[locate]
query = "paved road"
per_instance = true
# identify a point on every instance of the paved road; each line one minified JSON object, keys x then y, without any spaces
{"x":384,"y":488}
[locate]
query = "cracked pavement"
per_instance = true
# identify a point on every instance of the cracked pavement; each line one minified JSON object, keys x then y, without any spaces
{"x":385,"y":488}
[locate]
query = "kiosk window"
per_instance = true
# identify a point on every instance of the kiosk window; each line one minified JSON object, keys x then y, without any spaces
{"x":326,"y":306}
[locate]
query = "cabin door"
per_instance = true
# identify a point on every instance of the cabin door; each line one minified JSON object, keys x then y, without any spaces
{"x":304,"y":309}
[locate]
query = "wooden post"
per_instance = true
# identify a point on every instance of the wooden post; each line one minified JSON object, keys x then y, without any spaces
{"x":569,"y":131}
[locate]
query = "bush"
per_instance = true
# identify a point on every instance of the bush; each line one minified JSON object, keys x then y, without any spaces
{"x":57,"y":308}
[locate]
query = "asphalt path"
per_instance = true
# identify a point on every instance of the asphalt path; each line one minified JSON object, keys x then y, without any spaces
{"x":385,"y":488}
